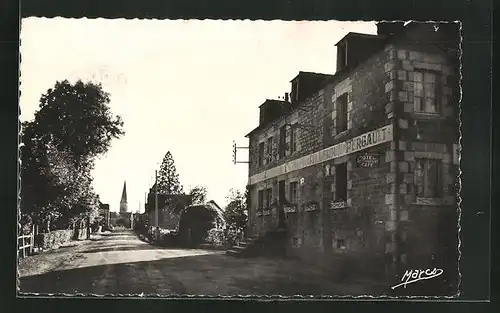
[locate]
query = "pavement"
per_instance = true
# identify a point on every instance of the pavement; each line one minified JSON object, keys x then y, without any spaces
{"x":118,"y":263}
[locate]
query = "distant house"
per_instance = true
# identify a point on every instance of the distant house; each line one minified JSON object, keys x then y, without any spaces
{"x":221,"y":221}
{"x":169,"y":209}
{"x":196,"y":221}
{"x":104,"y":212}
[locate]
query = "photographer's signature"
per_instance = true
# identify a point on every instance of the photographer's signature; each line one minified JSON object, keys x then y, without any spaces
{"x":412,"y":276}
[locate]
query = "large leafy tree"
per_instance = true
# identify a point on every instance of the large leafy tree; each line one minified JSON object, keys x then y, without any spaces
{"x":168,"y":179}
{"x":198,"y":195}
{"x":235,"y":212}
{"x":79,"y":118}
{"x":73,"y":126}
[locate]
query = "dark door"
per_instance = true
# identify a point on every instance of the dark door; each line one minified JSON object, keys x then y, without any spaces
{"x":281,"y":203}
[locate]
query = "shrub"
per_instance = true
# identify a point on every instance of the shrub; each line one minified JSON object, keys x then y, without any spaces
{"x":53,"y":239}
{"x":216,"y":236}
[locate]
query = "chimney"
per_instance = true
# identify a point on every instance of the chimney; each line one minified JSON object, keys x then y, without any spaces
{"x":286,"y":96}
{"x":389,"y":28}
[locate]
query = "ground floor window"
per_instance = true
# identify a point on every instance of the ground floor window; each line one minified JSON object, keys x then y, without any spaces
{"x":269,"y":197}
{"x":428,"y":178}
{"x":260,"y":204}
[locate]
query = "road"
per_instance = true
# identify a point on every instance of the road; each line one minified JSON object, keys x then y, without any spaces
{"x":120,"y":263}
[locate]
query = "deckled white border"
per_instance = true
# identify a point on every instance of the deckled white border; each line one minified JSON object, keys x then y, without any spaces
{"x":264,"y":298}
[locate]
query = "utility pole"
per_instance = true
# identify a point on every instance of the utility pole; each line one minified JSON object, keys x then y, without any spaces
{"x":156,"y":198}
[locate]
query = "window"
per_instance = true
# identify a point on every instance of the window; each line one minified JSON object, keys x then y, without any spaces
{"x":261,"y":154}
{"x":282,"y":147}
{"x":341,"y":113}
{"x":293,"y":192}
{"x":293,"y":139}
{"x":340,"y":182}
{"x":269,"y":197}
{"x":425,"y":99}
{"x":261,"y":199}
{"x":428,"y":178}
{"x":269,"y":150}
{"x":340,"y":243}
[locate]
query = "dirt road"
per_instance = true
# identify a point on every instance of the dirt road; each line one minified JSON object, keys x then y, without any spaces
{"x":119,"y":263}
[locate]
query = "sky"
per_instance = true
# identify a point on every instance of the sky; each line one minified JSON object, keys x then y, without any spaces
{"x":185,"y":86}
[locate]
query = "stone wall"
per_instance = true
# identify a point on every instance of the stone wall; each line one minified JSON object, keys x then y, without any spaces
{"x":425,"y":230}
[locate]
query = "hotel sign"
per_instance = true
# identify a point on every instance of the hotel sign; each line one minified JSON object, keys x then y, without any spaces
{"x":367,"y":160}
{"x":364,"y":141}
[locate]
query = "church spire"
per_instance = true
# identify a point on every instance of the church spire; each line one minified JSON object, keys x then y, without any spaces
{"x":123,"y":201}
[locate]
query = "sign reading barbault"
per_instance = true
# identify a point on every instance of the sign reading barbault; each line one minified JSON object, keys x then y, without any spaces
{"x":364,"y":141}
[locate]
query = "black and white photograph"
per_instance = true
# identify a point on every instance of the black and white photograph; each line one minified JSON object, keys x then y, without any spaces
{"x":239,"y":158}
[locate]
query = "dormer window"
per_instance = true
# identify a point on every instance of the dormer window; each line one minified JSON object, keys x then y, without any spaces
{"x":341,"y":56}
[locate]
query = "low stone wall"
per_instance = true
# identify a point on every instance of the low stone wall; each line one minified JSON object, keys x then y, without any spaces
{"x":56,"y":238}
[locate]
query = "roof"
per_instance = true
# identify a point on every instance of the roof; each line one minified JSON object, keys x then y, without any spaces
{"x":353,"y":34}
{"x":310,"y":74}
{"x":210,"y":205}
{"x":271,"y":101}
{"x":329,"y":79}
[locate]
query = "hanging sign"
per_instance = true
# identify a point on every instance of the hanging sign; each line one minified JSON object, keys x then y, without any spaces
{"x":367,"y":160}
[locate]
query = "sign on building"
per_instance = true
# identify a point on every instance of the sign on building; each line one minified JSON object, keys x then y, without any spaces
{"x":359,"y":143}
{"x":367,"y":160}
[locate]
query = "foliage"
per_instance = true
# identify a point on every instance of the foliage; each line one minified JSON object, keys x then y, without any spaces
{"x":79,"y":119}
{"x":168,"y":179}
{"x":216,"y":236}
{"x":195,"y":222}
{"x":235,"y":212}
{"x":198,"y":195}
{"x":233,"y":235}
{"x":72,"y":126}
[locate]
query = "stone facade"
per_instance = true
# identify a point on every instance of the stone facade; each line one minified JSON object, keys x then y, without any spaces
{"x":394,"y":119}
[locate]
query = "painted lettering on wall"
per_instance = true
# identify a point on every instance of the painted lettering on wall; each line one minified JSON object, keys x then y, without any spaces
{"x":364,"y":141}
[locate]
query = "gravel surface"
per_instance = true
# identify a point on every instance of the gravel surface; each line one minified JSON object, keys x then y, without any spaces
{"x":119,"y":263}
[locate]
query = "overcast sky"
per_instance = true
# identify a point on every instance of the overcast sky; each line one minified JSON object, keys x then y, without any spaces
{"x":188,"y":87}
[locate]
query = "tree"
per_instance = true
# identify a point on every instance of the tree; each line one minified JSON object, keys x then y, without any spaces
{"x":79,"y":118}
{"x":235,"y":212}
{"x":72,"y":127}
{"x":168,"y":179}
{"x":198,"y":195}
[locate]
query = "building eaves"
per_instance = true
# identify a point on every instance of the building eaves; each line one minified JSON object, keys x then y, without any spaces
{"x":353,"y":34}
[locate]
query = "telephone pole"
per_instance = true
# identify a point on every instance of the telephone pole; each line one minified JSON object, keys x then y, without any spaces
{"x":156,"y":198}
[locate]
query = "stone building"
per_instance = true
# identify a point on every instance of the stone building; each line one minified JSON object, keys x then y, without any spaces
{"x":169,"y":209}
{"x":364,"y":163}
{"x":104,"y":212}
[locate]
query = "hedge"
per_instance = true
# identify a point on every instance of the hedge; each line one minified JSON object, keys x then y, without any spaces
{"x":56,"y":238}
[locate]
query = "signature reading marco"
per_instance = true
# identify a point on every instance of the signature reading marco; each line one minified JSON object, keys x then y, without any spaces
{"x":412,"y":276}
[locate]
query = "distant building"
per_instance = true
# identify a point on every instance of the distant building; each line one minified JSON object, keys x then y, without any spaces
{"x":169,"y":209}
{"x":125,"y":217}
{"x":104,"y":212}
{"x":123,"y":201}
{"x":220,"y":221}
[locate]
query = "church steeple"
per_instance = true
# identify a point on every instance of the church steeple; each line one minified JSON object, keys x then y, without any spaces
{"x":123,"y":201}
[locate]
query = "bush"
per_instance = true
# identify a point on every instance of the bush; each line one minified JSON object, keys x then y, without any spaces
{"x":53,"y":239}
{"x":234,"y":236}
{"x":216,"y":236}
{"x":56,"y":238}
